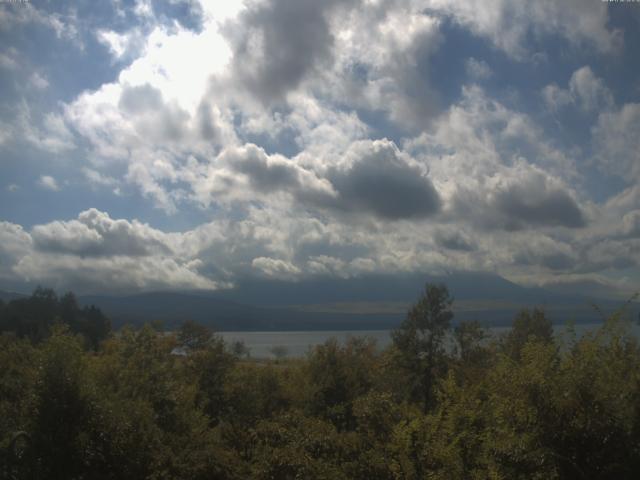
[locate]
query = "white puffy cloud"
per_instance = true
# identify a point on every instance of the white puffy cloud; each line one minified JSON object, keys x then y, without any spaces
{"x":169,"y":117}
{"x":117,"y":274}
{"x":97,"y":253}
{"x":94,"y":233}
{"x":15,"y":243}
{"x":38,"y":81}
{"x":275,"y":268}
{"x":270,"y":124}
{"x":491,"y":164}
{"x":585,"y":90}
{"x":381,"y":61}
{"x":49,"y":183}
{"x":508,"y":24}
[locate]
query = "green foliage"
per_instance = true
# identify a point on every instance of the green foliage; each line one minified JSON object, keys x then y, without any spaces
{"x":210,"y":367}
{"x":518,"y":407}
{"x":295,"y":446}
{"x":420,"y":342}
{"x":18,"y":376}
{"x":63,"y":408}
{"x":337,"y":376}
{"x":254,"y":393}
{"x":194,"y":336}
{"x":34,"y":317}
{"x":528,"y":325}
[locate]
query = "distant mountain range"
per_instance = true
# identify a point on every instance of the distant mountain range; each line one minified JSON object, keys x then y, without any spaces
{"x":371,"y":302}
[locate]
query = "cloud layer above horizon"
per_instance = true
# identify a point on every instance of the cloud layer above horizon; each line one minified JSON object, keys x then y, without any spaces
{"x":185,"y":144}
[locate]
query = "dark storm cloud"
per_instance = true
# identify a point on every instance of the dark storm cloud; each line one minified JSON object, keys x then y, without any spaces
{"x":382,"y":183}
{"x":280,"y":42}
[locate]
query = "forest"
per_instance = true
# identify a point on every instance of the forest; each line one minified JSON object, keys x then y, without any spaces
{"x":446,"y":400}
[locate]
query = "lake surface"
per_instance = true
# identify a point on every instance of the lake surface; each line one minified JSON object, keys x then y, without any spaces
{"x":297,"y":344}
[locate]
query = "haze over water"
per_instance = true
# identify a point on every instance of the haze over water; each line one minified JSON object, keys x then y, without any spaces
{"x":297,"y":344}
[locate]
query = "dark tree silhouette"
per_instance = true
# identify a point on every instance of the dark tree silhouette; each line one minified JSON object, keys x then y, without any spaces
{"x":420,"y":340}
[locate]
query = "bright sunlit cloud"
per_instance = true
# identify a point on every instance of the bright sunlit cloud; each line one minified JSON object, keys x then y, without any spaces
{"x":285,"y":139}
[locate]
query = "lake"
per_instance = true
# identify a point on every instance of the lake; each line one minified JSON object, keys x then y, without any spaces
{"x":297,"y":344}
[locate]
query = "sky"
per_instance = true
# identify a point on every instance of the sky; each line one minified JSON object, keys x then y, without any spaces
{"x":187,"y":144}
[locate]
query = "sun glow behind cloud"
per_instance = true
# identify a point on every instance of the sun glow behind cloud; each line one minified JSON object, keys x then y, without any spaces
{"x":310,"y":138}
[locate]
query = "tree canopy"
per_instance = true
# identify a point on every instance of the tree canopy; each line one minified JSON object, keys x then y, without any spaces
{"x":443,"y":401}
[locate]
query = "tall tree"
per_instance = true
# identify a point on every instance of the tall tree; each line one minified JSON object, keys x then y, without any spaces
{"x":194,"y":336}
{"x":420,"y":341}
{"x":528,"y":325}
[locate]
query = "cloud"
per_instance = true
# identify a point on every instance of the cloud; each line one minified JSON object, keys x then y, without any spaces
{"x":518,"y":198}
{"x":63,"y":25}
{"x":616,"y":137}
{"x":96,"y":253}
{"x":273,"y":128}
{"x":611,"y":254}
{"x":591,"y":92}
{"x":38,"y":81}
{"x":536,"y":199}
{"x":279,"y":42}
{"x":275,"y":268}
{"x":494,"y":168}
{"x":156,"y":114}
{"x":511,"y":25}
{"x":117,"y":43}
{"x":48,"y":132}
{"x":556,"y":98}
{"x":101,"y":180}
{"x":477,"y":69}
{"x":8,"y":61}
{"x":455,"y":239}
{"x":631,"y":223}
{"x":116,"y":274}
{"x":96,"y":234}
{"x":382,"y":53}
{"x":15,"y":243}
{"x":140,"y":99}
{"x":543,"y":251}
{"x":266,"y":173}
{"x":383,"y":181}
{"x":585,"y":90}
{"x":166,"y":119}
{"x":49,"y":183}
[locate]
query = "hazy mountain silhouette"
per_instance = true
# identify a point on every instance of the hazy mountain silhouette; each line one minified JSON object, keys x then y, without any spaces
{"x":369,"y":302}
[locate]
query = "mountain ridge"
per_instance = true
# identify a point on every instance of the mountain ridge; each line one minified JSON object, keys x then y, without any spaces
{"x":322,"y":303}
